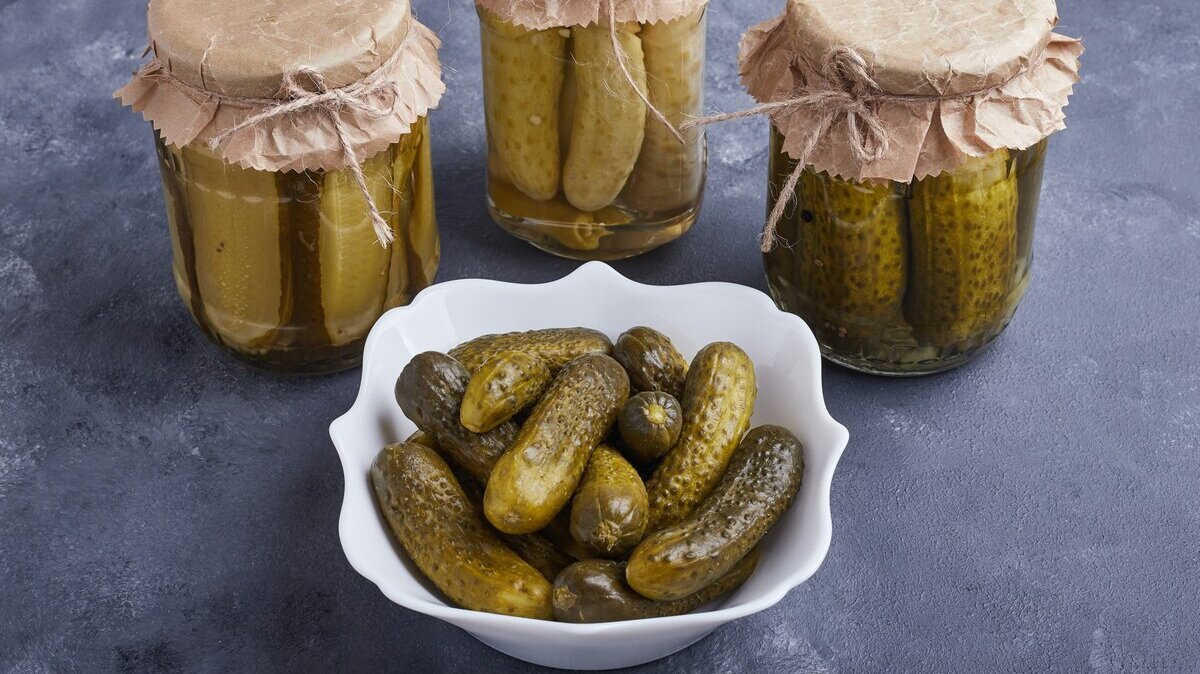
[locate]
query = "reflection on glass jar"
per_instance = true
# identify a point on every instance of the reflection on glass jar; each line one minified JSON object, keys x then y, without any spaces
{"x":284,"y":269}
{"x":907,"y":278}
{"x":575,"y":165}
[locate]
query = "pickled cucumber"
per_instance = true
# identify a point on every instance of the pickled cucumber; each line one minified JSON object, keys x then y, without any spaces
{"x":424,"y":245}
{"x":609,"y":118}
{"x":400,"y":287}
{"x":420,"y":437}
{"x":963,"y":227}
{"x":429,"y":391}
{"x":236,"y":238}
{"x":595,"y":591}
{"x":609,"y":509}
{"x":718,"y":400}
{"x":652,"y":361}
{"x":668,"y":174}
{"x":539,"y":471}
{"x":444,"y":535}
{"x":761,"y":481}
{"x":555,"y":346}
{"x":506,"y":384}
{"x":353,"y":266}
{"x":851,"y":258}
{"x":522,"y":77}
{"x":650,"y":423}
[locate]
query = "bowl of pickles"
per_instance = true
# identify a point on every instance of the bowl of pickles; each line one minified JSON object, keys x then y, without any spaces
{"x":590,"y":473}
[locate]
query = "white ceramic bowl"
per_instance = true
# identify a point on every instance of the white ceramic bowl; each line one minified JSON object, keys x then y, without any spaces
{"x":788,"y":366}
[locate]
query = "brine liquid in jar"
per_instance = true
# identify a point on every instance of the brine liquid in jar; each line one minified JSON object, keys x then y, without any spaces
{"x":906,"y":278}
{"x":576,"y":166}
{"x":284,"y":268}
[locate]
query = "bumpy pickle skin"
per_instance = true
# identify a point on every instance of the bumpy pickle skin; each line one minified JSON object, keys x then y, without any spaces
{"x":595,"y":591}
{"x":506,"y":384}
{"x":354,"y":267}
{"x":609,"y":120}
{"x":236,"y":236}
{"x":718,"y":401}
{"x":963,"y":230}
{"x":541,"y":468}
{"x":759,"y":485}
{"x":650,"y":423}
{"x":522,"y":78}
{"x":555,"y":346}
{"x":429,"y":391}
{"x":609,"y":509}
{"x":444,"y":535}
{"x":852,"y":258}
{"x":669,"y":175}
{"x":652,"y":361}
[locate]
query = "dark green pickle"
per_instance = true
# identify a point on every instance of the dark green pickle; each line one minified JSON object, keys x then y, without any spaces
{"x":595,"y":591}
{"x":650,"y":423}
{"x":429,"y":391}
{"x":652,"y":361}
{"x":906,"y":279}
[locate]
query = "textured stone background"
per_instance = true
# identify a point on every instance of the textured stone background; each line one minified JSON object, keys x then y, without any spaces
{"x":164,"y":508}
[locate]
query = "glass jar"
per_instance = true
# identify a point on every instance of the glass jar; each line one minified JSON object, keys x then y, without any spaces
{"x":906,"y":278}
{"x":576,"y":166}
{"x":283,"y":268}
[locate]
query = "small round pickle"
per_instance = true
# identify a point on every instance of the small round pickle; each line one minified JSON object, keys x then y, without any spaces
{"x":429,"y":391}
{"x":555,"y":346}
{"x":652,"y":361}
{"x":758,"y":486}
{"x":445,"y":536}
{"x":505,"y":384}
{"x":609,"y":509}
{"x":595,"y":591}
{"x":422,"y":438}
{"x":540,"y":470}
{"x":650,"y":423}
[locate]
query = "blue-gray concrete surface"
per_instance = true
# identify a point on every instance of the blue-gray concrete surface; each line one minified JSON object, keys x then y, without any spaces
{"x":165,"y":508}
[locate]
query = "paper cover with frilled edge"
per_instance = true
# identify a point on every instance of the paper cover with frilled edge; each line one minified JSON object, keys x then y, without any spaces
{"x":928,"y":136}
{"x":303,"y":140}
{"x":542,"y":14}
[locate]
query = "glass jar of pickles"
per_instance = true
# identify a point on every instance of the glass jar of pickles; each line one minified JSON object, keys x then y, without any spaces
{"x":300,"y":205}
{"x":906,"y":278}
{"x":582,"y":101}
{"x":905,"y":171}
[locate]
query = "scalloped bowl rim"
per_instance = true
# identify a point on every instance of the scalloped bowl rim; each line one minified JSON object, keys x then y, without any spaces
{"x":600,"y":273}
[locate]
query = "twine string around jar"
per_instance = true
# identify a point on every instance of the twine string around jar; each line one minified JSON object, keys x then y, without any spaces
{"x":623,"y":64}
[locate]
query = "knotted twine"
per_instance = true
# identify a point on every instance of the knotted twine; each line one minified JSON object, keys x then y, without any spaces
{"x":844,"y":93}
{"x":296,"y":97}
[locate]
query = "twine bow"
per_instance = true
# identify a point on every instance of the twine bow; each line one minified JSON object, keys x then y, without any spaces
{"x":354,"y":96}
{"x":844,"y":93}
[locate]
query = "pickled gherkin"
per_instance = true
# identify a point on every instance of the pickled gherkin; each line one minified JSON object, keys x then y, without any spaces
{"x":609,"y":119}
{"x":669,"y":174}
{"x":523,"y":73}
{"x":963,"y":227}
{"x":284,"y":268}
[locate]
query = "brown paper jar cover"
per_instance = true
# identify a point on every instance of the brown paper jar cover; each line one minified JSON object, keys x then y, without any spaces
{"x":962,"y":77}
{"x":543,"y":14}
{"x":217,"y":62}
